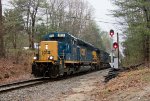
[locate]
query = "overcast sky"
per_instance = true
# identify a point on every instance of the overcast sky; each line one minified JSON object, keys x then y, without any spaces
{"x":102,"y":13}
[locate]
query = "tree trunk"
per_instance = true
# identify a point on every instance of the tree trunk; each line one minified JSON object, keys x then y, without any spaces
{"x":28,"y":23}
{"x":2,"y":49}
{"x":33,"y":18}
{"x":147,"y":47}
{"x":33,"y":31}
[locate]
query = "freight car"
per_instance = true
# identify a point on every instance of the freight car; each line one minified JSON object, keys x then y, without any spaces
{"x":60,"y":53}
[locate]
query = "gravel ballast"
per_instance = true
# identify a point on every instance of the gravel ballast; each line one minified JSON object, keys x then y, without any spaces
{"x":71,"y":89}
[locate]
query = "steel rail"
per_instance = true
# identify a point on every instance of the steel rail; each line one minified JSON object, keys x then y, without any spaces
{"x":21,"y":84}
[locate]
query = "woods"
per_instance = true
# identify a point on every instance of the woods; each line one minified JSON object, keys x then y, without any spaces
{"x":136,"y":13}
{"x":26,"y":21}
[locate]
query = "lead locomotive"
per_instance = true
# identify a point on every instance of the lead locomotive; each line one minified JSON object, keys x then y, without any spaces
{"x":61,"y":53}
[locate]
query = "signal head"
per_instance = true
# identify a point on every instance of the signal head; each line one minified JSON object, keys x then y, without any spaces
{"x":115,"y":45}
{"x":111,"y":32}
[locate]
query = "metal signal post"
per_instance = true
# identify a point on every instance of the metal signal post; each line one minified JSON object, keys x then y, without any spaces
{"x":118,"y":48}
{"x":111,"y":33}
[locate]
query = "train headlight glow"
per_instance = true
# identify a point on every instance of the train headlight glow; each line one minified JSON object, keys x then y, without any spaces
{"x":34,"y":57}
{"x":51,"y":57}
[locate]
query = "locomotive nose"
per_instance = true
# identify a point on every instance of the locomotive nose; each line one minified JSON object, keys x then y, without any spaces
{"x":49,"y":51}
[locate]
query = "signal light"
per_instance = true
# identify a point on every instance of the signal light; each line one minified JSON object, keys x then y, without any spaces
{"x":111,"y":32}
{"x":115,"y":45}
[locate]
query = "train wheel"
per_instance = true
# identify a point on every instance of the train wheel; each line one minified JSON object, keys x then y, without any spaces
{"x":54,"y":72}
{"x":35,"y":71}
{"x":65,"y":74}
{"x":92,"y":67}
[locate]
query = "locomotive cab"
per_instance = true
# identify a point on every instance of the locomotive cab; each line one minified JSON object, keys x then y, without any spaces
{"x":50,"y":55}
{"x":48,"y":51}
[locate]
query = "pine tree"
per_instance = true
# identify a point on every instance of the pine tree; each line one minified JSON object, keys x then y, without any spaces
{"x":136,"y":13}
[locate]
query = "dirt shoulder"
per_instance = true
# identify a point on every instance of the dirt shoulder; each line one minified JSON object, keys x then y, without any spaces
{"x":128,"y":86}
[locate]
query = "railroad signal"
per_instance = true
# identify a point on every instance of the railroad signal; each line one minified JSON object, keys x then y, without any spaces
{"x":115,"y":45}
{"x":111,"y":32}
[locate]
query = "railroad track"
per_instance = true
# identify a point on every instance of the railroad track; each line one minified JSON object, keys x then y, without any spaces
{"x":21,"y":84}
{"x":29,"y":83}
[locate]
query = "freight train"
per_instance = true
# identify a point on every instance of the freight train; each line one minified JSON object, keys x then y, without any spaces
{"x":60,"y":53}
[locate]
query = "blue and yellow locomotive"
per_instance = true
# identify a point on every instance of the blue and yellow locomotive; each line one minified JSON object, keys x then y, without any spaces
{"x":61,"y":53}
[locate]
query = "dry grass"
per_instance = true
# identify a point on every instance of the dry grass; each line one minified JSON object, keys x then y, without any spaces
{"x":125,"y":82}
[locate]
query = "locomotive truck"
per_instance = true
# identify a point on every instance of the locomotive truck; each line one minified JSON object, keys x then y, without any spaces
{"x":60,"y":53}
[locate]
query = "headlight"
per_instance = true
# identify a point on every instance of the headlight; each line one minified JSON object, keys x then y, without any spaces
{"x":51,"y":57}
{"x":35,"y":58}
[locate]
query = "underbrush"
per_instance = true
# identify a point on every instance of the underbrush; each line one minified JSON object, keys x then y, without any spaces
{"x":134,"y":79}
{"x":126,"y":62}
{"x":16,"y":63}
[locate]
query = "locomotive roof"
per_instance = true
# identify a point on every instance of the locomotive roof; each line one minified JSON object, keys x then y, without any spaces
{"x":67,"y":34}
{"x":47,"y":36}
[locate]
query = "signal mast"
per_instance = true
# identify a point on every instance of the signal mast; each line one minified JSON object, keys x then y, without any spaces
{"x":114,"y":45}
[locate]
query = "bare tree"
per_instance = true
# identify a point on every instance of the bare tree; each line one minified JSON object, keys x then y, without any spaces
{"x":29,"y":9}
{"x":33,"y":13}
